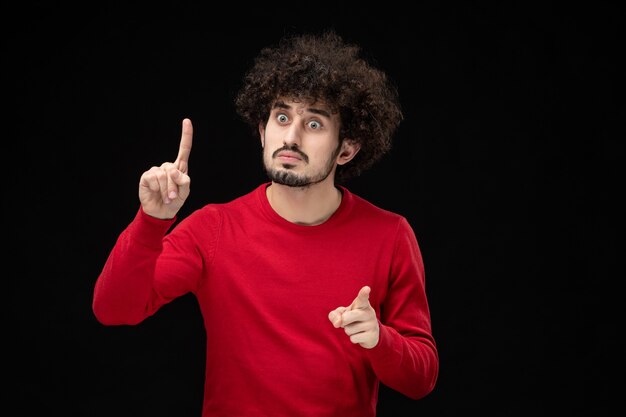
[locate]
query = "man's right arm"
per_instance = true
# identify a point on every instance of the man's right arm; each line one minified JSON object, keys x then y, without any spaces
{"x":125,"y":292}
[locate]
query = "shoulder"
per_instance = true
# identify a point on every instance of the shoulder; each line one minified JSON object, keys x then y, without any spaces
{"x":371,"y":211}
{"x":216,"y":211}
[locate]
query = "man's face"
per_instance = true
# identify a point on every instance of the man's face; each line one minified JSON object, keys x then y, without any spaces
{"x":300,"y":143}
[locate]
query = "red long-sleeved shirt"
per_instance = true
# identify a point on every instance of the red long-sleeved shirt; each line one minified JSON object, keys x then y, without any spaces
{"x":265,"y":287}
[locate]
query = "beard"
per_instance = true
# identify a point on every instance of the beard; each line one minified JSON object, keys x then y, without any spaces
{"x":285,"y":175}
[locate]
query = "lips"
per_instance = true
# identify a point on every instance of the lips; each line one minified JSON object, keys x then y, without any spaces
{"x":289,"y":155}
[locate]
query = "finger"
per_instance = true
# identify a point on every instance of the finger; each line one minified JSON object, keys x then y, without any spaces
{"x":359,"y":338}
{"x":362,"y":300}
{"x":356,"y":315}
{"x":355,"y":328}
{"x":335,"y":316}
{"x":172,"y":186}
{"x":167,"y":186}
{"x":186,"y":138}
{"x":149,"y":179}
{"x":161,"y":177}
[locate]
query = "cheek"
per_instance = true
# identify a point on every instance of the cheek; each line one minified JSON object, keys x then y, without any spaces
{"x":271,"y":136}
{"x":320,"y":157}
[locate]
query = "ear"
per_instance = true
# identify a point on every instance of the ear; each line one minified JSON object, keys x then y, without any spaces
{"x":349,"y":149}
{"x":262,"y":134}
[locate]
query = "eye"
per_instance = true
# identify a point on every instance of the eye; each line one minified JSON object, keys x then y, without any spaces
{"x":282,"y":118}
{"x":314,"y":124}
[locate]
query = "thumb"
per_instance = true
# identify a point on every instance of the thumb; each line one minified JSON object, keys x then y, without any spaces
{"x":178,"y":177}
{"x":362,"y":300}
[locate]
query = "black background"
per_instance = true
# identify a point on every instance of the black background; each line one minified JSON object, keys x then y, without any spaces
{"x":508,"y":165}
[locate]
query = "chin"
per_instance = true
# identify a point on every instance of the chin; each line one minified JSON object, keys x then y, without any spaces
{"x":288,"y":178}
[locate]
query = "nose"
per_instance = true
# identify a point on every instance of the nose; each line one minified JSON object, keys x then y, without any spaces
{"x":293,"y":134}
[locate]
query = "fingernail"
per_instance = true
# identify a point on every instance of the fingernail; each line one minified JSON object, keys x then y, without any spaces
{"x":172,"y":194}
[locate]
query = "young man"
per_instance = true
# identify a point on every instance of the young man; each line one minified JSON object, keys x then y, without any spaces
{"x":311,"y":296}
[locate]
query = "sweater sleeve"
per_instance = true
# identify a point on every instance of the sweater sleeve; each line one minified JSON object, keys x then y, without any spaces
{"x":146,"y":269}
{"x":406,"y":358}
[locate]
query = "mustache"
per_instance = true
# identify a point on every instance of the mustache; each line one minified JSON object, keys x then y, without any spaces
{"x":291,"y":148}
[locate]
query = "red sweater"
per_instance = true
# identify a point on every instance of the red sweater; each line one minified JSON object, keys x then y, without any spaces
{"x":265,"y":287}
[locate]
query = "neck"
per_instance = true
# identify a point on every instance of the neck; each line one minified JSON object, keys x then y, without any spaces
{"x":308,"y":206}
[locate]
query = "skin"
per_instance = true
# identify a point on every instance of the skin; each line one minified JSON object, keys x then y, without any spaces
{"x":164,"y":189}
{"x":312,"y":132}
{"x":358,"y":320}
{"x":300,"y":141}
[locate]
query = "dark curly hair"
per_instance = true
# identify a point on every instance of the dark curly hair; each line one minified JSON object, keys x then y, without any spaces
{"x":325,"y":68}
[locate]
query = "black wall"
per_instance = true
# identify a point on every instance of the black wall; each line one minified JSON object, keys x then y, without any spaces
{"x":508,"y":165}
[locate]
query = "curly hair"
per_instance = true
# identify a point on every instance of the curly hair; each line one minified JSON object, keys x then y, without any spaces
{"x":325,"y":68}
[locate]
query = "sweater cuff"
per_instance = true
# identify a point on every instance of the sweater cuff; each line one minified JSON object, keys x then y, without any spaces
{"x":148,"y":230}
{"x":387,"y":350}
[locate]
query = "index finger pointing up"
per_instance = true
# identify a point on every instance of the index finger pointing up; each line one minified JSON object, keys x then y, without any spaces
{"x":182,"y":160}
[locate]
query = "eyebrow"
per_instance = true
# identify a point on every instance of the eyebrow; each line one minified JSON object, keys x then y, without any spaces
{"x":282,"y":105}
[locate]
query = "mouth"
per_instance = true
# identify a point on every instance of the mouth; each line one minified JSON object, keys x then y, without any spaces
{"x":288,"y":156}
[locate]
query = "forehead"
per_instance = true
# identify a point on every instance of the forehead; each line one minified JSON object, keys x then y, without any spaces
{"x":302,"y":106}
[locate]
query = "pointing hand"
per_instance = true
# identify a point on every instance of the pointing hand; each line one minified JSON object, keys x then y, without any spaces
{"x":358,"y":320}
{"x":164,"y":189}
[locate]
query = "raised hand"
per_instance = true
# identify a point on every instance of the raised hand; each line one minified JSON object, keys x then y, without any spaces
{"x":358,"y":320}
{"x":164,"y":189}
